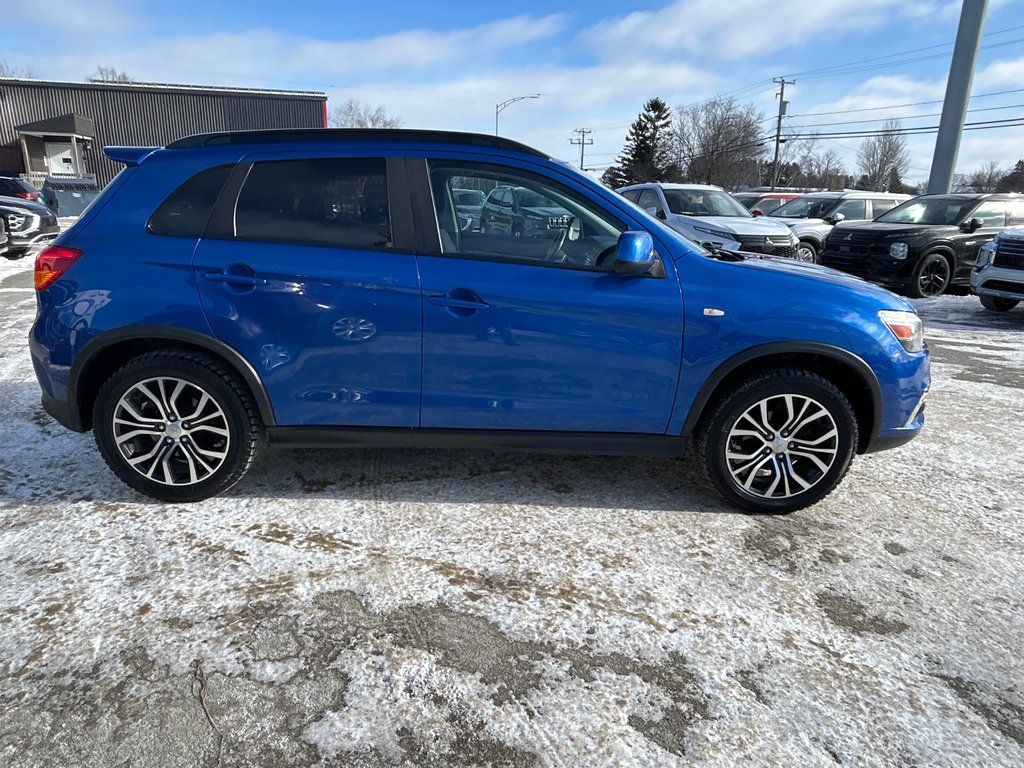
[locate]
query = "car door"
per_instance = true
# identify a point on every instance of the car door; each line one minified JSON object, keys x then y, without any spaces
{"x":967,"y":244}
{"x":538,"y":333}
{"x":307,"y":270}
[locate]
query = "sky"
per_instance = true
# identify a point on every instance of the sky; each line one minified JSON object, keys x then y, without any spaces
{"x":594,"y":63}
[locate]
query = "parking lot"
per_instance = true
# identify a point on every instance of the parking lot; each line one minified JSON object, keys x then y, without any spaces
{"x":373,"y":608}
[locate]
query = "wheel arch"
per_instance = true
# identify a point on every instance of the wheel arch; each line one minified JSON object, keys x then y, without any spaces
{"x":109,"y":351}
{"x":845,"y":370}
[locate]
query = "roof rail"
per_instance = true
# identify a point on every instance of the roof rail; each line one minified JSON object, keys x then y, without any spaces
{"x":351,"y":134}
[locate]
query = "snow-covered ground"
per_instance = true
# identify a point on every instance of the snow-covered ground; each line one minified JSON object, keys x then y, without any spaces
{"x":462,"y":609}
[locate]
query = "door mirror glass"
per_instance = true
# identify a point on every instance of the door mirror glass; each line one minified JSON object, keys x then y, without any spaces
{"x":575,"y":229}
{"x":634,"y":256}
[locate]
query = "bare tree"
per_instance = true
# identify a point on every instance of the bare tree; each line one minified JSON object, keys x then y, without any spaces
{"x":719,"y":141}
{"x":984,"y":179}
{"x":818,"y":169}
{"x":883,"y":158}
{"x":356,"y":114}
{"x":8,"y":70}
{"x":110,"y":75}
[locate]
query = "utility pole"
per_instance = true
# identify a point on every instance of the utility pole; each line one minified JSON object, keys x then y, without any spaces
{"x":958,"y":89}
{"x":783,"y":109}
{"x":583,"y":141}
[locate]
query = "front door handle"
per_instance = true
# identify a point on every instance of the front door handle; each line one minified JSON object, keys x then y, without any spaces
{"x":460,"y":302}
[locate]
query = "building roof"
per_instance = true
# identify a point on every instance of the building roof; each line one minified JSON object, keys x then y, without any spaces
{"x":164,"y":88}
{"x":69,"y":124}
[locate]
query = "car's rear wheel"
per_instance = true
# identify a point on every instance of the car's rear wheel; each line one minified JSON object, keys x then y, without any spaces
{"x":931,"y":277}
{"x":806,"y":252}
{"x":778,"y":442}
{"x":176,"y":425}
{"x":997,"y":304}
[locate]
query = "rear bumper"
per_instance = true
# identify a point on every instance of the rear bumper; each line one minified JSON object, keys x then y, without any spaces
{"x":63,"y":413}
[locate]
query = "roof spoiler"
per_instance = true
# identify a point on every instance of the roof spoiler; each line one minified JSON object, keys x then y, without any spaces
{"x":129,"y":155}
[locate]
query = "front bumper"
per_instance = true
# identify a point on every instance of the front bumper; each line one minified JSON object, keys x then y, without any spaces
{"x":998,"y":282}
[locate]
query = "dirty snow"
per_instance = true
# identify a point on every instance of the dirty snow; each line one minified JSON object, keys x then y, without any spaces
{"x":447,"y":608}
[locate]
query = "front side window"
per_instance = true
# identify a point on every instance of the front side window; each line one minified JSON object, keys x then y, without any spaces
{"x":550,"y":224}
{"x":1016,"y":212}
{"x":992,"y":214}
{"x":853,"y":210}
{"x":881,"y":206}
{"x":335,"y":202}
{"x":649,"y":201}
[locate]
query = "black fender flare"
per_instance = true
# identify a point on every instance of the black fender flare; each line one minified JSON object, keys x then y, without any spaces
{"x":162,"y":333}
{"x":774,"y":349}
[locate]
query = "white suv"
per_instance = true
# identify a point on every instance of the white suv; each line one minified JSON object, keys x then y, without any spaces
{"x":998,"y":275}
{"x":711,"y":216}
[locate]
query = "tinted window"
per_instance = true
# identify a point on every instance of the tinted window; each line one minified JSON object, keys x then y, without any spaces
{"x":806,"y":208}
{"x":186,"y":211}
{"x":881,"y":206}
{"x":929,"y":210}
{"x":340,"y":202}
{"x":854,"y":210}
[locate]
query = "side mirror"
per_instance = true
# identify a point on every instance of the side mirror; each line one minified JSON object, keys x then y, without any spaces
{"x":972,"y":225}
{"x":757,"y":212}
{"x":635,"y":256}
{"x":835,"y":218}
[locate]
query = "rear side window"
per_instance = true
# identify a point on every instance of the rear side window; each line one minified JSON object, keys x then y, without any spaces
{"x":880,"y":206}
{"x":186,"y":211}
{"x":336,"y":202}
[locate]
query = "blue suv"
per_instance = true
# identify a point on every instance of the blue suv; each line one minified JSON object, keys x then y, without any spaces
{"x":322,"y":288}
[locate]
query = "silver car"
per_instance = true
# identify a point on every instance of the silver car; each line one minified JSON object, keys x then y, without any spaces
{"x":998,"y":276}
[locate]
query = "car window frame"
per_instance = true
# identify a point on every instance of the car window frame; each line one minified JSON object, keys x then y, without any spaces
{"x":221,"y":225}
{"x":422,"y":193}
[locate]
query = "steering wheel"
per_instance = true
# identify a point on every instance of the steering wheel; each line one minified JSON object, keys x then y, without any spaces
{"x":556,"y":245}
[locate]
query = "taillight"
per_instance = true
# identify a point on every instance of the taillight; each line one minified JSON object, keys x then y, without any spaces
{"x":52,"y":263}
{"x":26,"y":195}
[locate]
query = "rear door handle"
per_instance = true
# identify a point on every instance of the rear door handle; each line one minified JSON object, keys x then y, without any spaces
{"x":228,"y":277}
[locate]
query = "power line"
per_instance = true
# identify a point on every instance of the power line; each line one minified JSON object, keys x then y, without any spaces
{"x":583,"y":141}
{"x":900,"y":106}
{"x":907,"y":117}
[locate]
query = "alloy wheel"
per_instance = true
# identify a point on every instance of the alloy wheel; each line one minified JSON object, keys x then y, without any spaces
{"x":171,"y":431}
{"x":782,"y":446}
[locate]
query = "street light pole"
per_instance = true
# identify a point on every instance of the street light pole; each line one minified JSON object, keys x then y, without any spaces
{"x":502,"y":105}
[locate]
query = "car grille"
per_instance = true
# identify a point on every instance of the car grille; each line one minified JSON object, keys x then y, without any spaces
{"x":1010,"y":254}
{"x":773,"y":245}
{"x":854,"y":264}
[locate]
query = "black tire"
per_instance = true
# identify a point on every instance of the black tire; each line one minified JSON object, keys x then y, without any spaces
{"x":806,"y":251}
{"x":763,"y":472}
{"x":997,"y":304}
{"x":931,"y":277}
{"x":162,"y":454}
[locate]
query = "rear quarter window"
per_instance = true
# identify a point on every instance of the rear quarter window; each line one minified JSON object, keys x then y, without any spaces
{"x":185,"y":212}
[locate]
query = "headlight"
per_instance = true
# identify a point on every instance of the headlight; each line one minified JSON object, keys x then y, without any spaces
{"x":986,"y":254}
{"x":717,"y":233}
{"x":906,"y":327}
{"x":898,"y":251}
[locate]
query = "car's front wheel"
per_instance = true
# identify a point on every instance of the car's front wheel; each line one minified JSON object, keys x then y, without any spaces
{"x":806,"y":252}
{"x":176,"y":425}
{"x":778,"y":442}
{"x":998,"y":304}
{"x":931,"y":277}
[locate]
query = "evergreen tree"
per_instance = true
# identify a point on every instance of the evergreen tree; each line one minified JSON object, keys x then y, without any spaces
{"x":1014,"y":180}
{"x":647,"y":155}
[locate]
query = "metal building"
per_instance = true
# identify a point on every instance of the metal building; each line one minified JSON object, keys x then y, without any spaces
{"x":59,"y":129}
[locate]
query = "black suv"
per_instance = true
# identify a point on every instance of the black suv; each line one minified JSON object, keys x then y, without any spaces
{"x":519,"y":212}
{"x":925,"y":245}
{"x":30,"y":225}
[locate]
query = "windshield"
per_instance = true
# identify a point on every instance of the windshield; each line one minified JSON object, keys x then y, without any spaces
{"x":704,"y":202}
{"x":937,"y":210}
{"x":807,"y":208}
